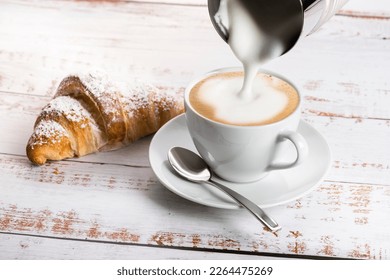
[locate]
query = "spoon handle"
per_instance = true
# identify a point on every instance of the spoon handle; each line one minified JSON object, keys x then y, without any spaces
{"x":249,"y":205}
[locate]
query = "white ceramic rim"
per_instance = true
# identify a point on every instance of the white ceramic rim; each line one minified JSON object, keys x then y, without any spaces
{"x":239,"y":69}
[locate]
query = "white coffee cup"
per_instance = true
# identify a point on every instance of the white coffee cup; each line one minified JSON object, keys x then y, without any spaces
{"x":244,"y":153}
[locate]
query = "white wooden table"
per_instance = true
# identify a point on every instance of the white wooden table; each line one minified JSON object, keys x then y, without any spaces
{"x":111,"y":206}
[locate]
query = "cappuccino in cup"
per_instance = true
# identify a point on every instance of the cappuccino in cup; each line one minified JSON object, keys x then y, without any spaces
{"x":216,"y":98}
{"x":237,"y":137}
{"x":240,"y":119}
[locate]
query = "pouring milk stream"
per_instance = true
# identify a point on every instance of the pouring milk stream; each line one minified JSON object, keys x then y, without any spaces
{"x":260,"y":30}
{"x":239,"y":121}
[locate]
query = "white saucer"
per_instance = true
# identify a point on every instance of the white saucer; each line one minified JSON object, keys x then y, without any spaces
{"x":276,"y":188}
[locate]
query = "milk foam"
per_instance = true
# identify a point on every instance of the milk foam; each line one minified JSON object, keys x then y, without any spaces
{"x":248,"y":42}
{"x":248,"y":99}
{"x":220,"y":94}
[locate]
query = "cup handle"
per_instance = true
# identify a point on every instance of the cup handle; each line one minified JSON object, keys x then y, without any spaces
{"x":300,"y":145}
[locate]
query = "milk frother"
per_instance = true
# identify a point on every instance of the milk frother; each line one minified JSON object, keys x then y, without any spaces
{"x":285,"y":20}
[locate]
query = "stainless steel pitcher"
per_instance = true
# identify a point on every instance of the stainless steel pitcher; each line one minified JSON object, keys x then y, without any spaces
{"x":286,"y":20}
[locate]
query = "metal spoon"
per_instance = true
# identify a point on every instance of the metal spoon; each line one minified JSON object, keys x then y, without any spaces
{"x":193,"y":168}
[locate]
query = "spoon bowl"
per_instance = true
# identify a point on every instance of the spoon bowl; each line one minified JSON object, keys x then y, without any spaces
{"x":193,"y":168}
{"x":189,"y":165}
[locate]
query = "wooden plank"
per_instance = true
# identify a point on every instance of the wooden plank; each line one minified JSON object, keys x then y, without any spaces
{"x":358,"y":147}
{"x":49,"y":42}
{"x":124,"y":204}
{"x":344,"y":99}
{"x":39,"y":248}
{"x":29,"y":68}
{"x":329,"y":76}
{"x":368,"y":9}
{"x":373,"y":7}
{"x":353,"y":159}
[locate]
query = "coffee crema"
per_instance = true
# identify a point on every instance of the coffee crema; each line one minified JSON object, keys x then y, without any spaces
{"x":216,"y":98}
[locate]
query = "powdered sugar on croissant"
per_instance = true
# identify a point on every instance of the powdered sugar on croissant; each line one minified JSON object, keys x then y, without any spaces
{"x":89,"y":113}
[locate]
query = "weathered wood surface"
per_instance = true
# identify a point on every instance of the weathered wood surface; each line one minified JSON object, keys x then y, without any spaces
{"x":125,"y":204}
{"x":30,"y":247}
{"x":353,"y":161}
{"x":114,"y":197}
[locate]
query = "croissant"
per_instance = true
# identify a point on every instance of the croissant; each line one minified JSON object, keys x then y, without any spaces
{"x":89,"y":113}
